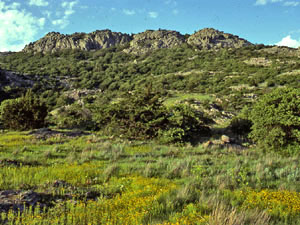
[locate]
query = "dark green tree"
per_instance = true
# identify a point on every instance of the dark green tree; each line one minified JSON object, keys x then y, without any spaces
{"x":24,"y":113}
{"x":142,"y":115}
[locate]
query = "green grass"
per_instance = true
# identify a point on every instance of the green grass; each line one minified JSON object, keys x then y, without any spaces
{"x":147,"y":183}
{"x":178,"y":97}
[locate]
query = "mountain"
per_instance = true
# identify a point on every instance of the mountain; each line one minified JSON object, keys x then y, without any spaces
{"x":210,"y":38}
{"x":140,"y":43}
{"x":55,"y":41}
{"x":153,"y":40}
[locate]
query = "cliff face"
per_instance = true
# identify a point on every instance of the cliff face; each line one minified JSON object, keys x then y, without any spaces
{"x":54,"y":41}
{"x":141,"y":43}
{"x":154,"y":39}
{"x":209,"y":38}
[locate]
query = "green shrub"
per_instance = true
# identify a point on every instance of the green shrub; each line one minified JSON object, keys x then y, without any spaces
{"x":26,"y":112}
{"x":73,"y":116}
{"x":138,"y":115}
{"x":276,"y":119}
{"x":185,"y":124}
{"x":142,"y":115}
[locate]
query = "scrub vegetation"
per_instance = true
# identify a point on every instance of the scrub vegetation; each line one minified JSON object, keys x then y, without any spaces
{"x":176,"y":136}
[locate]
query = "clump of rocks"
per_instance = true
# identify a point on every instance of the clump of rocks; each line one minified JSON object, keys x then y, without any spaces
{"x":222,"y":143}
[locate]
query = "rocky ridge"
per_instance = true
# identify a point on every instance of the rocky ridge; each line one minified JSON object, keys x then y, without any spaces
{"x":154,"y":39}
{"x":55,"y":41}
{"x":210,"y":38}
{"x":140,"y":43}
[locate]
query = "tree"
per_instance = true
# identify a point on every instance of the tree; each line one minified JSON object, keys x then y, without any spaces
{"x":24,"y":113}
{"x":138,"y":115}
{"x":142,"y":115}
{"x":184,"y":124}
{"x":276,"y":119}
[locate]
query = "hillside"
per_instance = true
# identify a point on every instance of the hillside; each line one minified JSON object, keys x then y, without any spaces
{"x":216,"y":73}
{"x":208,"y":62}
{"x":149,"y":128}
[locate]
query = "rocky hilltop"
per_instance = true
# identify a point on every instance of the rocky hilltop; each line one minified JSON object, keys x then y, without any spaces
{"x":153,"y":40}
{"x":210,"y":38}
{"x":140,"y":43}
{"x":55,"y":41}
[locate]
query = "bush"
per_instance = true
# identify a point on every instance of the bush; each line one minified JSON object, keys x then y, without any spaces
{"x":138,"y":115}
{"x":276,"y":119}
{"x":24,"y":113}
{"x":142,"y":115}
{"x":185,"y":124}
{"x":73,"y":116}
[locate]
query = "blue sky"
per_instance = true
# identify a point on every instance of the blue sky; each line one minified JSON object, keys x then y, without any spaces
{"x":258,"y":21}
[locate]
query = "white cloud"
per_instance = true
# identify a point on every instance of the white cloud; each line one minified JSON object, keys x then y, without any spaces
{"x":68,"y":6}
{"x":17,"y":27}
{"x":284,"y":2}
{"x":291,"y":4}
{"x":153,"y":14}
{"x":68,"y":11}
{"x":289,"y":42}
{"x":128,"y":12}
{"x":39,"y":2}
{"x":41,"y":22}
{"x":60,"y":22}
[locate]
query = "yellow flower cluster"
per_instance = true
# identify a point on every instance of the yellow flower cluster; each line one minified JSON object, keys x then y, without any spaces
{"x":129,"y":207}
{"x":189,"y":216}
{"x":281,"y":202}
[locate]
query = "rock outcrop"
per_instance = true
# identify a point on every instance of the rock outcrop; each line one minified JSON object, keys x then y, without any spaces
{"x":154,"y":39}
{"x":12,"y":79}
{"x":99,"y":39}
{"x":140,"y":43}
{"x":210,"y":38}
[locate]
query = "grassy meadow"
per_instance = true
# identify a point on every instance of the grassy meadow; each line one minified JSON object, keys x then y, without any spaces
{"x":136,"y":182}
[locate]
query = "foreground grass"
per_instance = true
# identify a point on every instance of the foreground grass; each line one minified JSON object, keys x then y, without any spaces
{"x":147,"y":183}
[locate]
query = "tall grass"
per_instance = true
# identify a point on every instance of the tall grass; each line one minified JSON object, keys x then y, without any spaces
{"x":146,"y":183}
